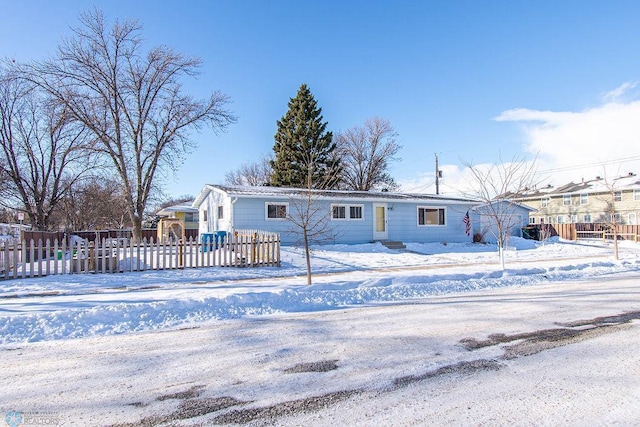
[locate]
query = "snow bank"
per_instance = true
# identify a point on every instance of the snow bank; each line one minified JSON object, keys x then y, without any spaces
{"x":62,"y":307}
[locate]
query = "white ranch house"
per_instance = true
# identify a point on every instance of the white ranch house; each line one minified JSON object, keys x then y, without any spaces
{"x":353,"y":216}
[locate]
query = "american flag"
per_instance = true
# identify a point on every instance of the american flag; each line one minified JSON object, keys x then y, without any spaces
{"x":467,"y":223}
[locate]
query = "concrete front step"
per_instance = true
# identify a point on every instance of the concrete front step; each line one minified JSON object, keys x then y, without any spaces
{"x":393,"y":245}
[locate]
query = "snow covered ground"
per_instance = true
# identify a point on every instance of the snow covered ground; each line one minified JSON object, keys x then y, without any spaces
{"x":437,"y":334}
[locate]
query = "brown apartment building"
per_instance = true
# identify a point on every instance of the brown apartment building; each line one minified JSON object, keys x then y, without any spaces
{"x":593,"y":201}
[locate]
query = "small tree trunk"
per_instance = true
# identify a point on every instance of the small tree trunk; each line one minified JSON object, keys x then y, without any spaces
{"x":501,"y":252}
{"x":307,"y":255}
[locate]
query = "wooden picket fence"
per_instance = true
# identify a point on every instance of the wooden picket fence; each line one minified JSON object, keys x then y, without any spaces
{"x":601,"y":231}
{"x":22,"y":259}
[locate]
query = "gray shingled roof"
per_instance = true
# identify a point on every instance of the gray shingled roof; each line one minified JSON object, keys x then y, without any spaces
{"x":598,"y":185}
{"x":272,"y":192}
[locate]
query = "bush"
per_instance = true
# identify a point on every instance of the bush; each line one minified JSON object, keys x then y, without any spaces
{"x":478,"y":238}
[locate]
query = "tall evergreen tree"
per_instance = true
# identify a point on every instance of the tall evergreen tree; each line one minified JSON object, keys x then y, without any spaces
{"x":304,"y":151}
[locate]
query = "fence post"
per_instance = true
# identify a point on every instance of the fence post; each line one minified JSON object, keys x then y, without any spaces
{"x":47,"y":251}
{"x":91,"y":253}
{"x":7,"y":260}
{"x":39,"y":253}
{"x":32,"y":255}
{"x":144,"y":252}
{"x":254,"y":249}
{"x":87,"y":256}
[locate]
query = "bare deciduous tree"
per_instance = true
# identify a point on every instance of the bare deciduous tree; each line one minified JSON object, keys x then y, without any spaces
{"x":495,"y":186}
{"x":611,"y":214}
{"x":310,"y":220}
{"x":309,"y":217}
{"x":131,"y":100}
{"x":254,"y":174}
{"x":365,"y":153}
{"x":97,"y":203}
{"x":42,"y":149}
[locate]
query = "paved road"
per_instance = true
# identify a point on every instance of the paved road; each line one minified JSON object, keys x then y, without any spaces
{"x":561,"y":353}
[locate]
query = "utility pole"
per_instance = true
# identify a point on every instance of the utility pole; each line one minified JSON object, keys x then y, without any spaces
{"x":437,"y":176}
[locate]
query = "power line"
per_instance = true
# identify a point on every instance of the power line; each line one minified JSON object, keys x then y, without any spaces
{"x":589,"y":165}
{"x":431,"y":183}
{"x":420,"y":187}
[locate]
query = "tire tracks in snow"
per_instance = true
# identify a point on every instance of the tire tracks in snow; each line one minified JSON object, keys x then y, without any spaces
{"x":228,"y":410}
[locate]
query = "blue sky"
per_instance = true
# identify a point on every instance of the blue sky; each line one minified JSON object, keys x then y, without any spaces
{"x":472,"y":81}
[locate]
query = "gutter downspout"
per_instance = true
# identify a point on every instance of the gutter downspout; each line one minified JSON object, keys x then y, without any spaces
{"x":231,"y":214}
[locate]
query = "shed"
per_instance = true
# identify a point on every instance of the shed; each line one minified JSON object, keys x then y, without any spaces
{"x":512,"y":216}
{"x":177,"y":222}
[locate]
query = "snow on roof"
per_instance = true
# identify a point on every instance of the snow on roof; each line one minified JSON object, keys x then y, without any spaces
{"x":596,"y":185}
{"x":248,"y":191}
{"x":181,"y":207}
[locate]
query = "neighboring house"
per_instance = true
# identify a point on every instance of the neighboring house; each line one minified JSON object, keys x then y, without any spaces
{"x":353,"y":216}
{"x":585,"y":202}
{"x":12,"y":230}
{"x":178,"y":222}
{"x":512,"y":216}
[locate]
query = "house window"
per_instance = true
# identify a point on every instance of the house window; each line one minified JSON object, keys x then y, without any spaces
{"x":339,"y":212}
{"x":277,"y":210}
{"x":574,"y":219}
{"x":190,"y":217}
{"x":431,"y":216}
{"x":204,"y":215}
{"x":617,"y":218}
{"x":636,"y":195}
{"x":220,"y":212}
{"x":617,"y":196}
{"x":584,"y":199}
{"x":532,"y":220}
{"x":544,"y":202}
{"x":346,"y":212}
{"x":566,"y":200}
{"x":587,"y":218}
{"x":561,"y":219}
{"x":632,"y":218}
{"x":355,"y":212}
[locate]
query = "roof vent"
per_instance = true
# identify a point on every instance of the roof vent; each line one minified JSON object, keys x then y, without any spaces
{"x":598,"y":178}
{"x":632,"y":174}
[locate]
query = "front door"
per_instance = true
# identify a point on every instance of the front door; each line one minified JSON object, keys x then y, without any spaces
{"x":380,"y":221}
